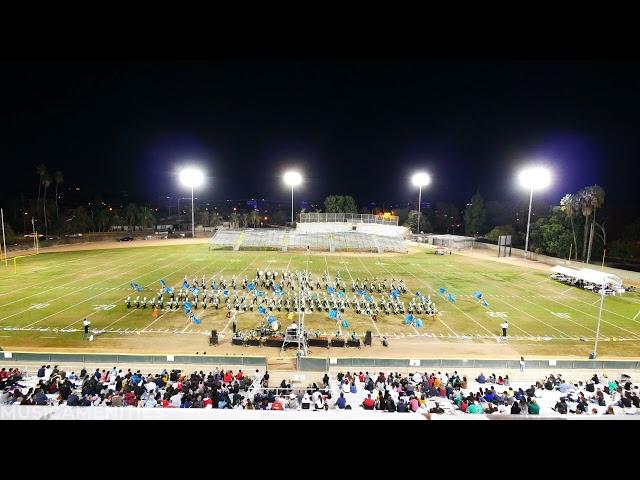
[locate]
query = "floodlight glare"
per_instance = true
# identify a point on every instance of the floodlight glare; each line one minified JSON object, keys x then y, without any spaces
{"x":292,"y":178}
{"x":533,"y":178}
{"x":191,"y":177}
{"x":421,"y":179}
{"x":536,"y":177}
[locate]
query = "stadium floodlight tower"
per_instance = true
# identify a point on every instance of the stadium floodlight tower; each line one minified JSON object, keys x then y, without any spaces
{"x":420,"y":179}
{"x":293,"y":179}
{"x":192,"y":178}
{"x":533,"y":178}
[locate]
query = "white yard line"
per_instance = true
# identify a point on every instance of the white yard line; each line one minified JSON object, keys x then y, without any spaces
{"x":573,"y":308}
{"x":439,"y":318}
{"x":94,"y":296}
{"x":435,"y":291}
{"x":231,"y":317}
{"x":637,"y":315}
{"x":371,"y":319}
{"x":76,"y":291}
{"x":178,"y":284}
{"x":98,"y":272}
{"x":57,"y":278}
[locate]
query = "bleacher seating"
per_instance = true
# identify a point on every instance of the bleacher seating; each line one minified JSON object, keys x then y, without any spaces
{"x":277,"y":239}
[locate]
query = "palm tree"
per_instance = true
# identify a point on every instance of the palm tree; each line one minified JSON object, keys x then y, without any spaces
{"x":41,"y":170}
{"x":570,"y":205}
{"x":132,"y":215}
{"x":214,"y":219}
{"x":245,"y":220}
{"x":254,"y":218}
{"x":234,"y":220}
{"x":597,"y":200}
{"x":146,"y":216}
{"x":46,"y":180}
{"x":58,"y":178}
{"x":204,"y":218}
{"x":586,"y":207}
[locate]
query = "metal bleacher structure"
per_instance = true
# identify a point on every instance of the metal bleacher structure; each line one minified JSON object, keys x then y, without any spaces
{"x":333,"y":232}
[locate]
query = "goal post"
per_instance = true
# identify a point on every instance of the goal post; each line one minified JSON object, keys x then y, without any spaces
{"x":15,"y":262}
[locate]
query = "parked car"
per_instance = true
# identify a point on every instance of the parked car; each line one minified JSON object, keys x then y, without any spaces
{"x":441,"y":251}
{"x":125,"y":239}
{"x":73,"y":235}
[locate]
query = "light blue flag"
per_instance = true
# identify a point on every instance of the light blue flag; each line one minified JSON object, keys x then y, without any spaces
{"x":195,"y":320}
{"x":271,"y":319}
{"x":226,"y":293}
{"x":330,"y":290}
{"x":185,"y":284}
{"x":452,"y":298}
{"x":360,"y":292}
{"x":442,"y":290}
{"x":418,"y":323}
{"x":262,"y":310}
{"x":477,"y":295}
{"x":196,"y":291}
{"x":168,"y":290}
{"x":368,"y":298}
{"x":259,"y":293}
{"x":408,"y":319}
{"x":214,"y":285}
{"x":251,"y":287}
{"x":418,"y":294}
{"x":163,"y":283}
{"x":484,"y":303}
{"x":186,"y":306}
{"x":345,"y":324}
{"x":341,"y":294}
{"x":333,"y":313}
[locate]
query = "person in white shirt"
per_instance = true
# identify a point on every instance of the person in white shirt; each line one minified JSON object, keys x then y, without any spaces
{"x":47,"y":372}
{"x":176,"y":400}
{"x":346,"y":388}
{"x":319,"y":403}
{"x":504,"y":327}
{"x":150,"y":386}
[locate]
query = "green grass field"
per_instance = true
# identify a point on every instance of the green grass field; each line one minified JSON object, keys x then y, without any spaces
{"x":44,"y":303}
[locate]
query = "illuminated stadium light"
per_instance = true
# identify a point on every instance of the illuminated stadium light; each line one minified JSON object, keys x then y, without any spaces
{"x":536,"y":177}
{"x":420,"y":179}
{"x":533,"y":178}
{"x":293,"y":179}
{"x":192,"y":178}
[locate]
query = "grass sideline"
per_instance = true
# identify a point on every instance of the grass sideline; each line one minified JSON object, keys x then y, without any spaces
{"x":53,"y":292}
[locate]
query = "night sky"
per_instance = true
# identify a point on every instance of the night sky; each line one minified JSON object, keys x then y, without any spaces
{"x":352,"y":127}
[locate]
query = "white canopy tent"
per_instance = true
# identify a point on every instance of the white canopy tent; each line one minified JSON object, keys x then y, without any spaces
{"x":588,"y":275}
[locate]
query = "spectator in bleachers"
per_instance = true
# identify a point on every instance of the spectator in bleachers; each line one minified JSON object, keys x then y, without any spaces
{"x":481,"y":378}
{"x":532,"y":405}
{"x":369,"y":403}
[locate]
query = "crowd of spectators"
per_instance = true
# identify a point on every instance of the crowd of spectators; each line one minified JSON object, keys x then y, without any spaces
{"x":434,"y":393}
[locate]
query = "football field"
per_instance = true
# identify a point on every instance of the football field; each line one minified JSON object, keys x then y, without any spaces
{"x":44,"y":303}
